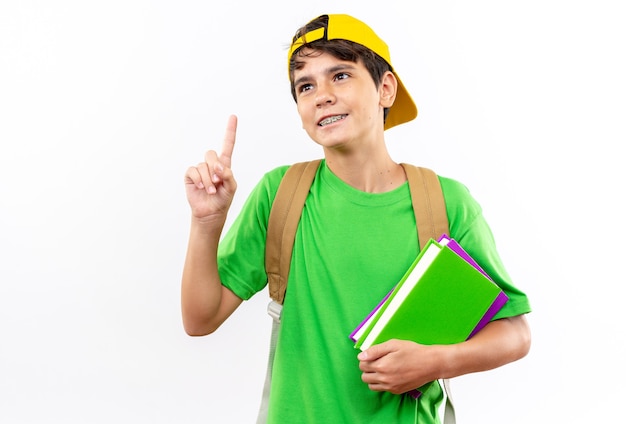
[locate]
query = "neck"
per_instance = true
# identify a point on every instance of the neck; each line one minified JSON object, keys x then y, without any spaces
{"x":369,"y":173}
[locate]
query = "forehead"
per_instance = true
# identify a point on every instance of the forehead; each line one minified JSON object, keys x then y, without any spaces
{"x":310,"y":60}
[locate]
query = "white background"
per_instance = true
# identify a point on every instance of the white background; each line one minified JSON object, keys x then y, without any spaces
{"x":103,"y":105}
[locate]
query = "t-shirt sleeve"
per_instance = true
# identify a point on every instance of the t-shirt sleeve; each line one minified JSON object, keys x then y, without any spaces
{"x":469,"y":227}
{"x":241,"y":252}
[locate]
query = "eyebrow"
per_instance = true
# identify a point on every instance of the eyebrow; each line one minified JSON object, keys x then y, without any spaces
{"x":331,"y":70}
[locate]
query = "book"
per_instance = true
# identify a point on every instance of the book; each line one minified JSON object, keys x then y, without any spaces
{"x":456,"y":247}
{"x":441,"y":299}
{"x":497,"y":304}
{"x":445,"y":297}
{"x":362,"y":327}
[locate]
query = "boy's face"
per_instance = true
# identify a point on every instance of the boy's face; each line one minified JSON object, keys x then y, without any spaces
{"x":338,"y":102}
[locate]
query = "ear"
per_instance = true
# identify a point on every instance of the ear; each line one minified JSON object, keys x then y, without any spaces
{"x":388,"y":89}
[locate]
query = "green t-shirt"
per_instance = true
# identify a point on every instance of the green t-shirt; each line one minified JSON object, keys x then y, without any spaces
{"x":351,"y":247}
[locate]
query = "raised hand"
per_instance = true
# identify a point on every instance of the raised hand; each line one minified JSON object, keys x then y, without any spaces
{"x":210,"y":185}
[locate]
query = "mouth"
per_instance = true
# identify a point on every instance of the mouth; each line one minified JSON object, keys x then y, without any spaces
{"x":330,"y":120}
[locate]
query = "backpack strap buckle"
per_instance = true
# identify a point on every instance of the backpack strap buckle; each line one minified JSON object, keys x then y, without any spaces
{"x":274,"y":309}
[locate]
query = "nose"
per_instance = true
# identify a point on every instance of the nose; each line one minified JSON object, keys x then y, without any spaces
{"x":324,"y":95}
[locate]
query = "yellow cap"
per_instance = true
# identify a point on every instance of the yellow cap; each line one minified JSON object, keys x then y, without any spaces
{"x":346,"y":27}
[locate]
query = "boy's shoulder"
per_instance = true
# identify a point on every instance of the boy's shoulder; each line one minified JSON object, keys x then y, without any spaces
{"x":459,"y":200}
{"x":272,"y":178}
{"x":452,"y":186}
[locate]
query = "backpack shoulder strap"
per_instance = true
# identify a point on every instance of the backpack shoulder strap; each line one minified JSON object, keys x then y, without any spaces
{"x":432,"y":221}
{"x":283,"y":223}
{"x":428,"y":203}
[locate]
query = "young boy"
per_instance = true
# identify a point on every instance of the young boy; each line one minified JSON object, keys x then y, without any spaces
{"x":355,"y":240}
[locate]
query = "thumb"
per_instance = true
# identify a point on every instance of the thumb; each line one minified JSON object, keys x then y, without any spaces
{"x":375,"y":352}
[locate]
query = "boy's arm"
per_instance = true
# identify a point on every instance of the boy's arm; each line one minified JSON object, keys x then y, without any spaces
{"x":205,"y":302}
{"x":399,"y":366}
{"x":501,"y":341}
{"x":210,"y":188}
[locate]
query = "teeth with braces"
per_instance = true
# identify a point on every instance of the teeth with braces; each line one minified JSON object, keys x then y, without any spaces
{"x":331,"y":120}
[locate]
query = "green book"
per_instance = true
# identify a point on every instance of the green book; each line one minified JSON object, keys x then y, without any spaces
{"x":442,"y":299}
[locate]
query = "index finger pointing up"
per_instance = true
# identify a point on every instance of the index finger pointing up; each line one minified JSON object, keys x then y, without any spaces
{"x":229,"y":141}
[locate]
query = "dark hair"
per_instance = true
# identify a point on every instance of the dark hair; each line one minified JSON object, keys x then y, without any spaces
{"x":340,"y":49}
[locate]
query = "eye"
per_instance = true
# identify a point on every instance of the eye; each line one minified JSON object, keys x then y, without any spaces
{"x":304,"y":87}
{"x":341,"y":76}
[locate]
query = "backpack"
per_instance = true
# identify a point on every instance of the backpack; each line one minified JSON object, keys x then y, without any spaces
{"x":430,"y":216}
